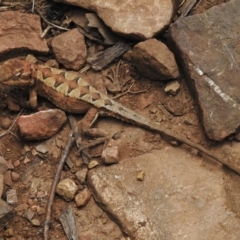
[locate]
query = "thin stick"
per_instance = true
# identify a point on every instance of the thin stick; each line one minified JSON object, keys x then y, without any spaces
{"x":54,"y":185}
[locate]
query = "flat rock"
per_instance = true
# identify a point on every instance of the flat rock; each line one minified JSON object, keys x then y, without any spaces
{"x":20,"y":32}
{"x":154,"y":60}
{"x":41,"y":125}
{"x":138,"y":19}
{"x":93,"y":223}
{"x":70,"y":49}
{"x":67,"y":189}
{"x":178,"y":197}
{"x":209,"y":47}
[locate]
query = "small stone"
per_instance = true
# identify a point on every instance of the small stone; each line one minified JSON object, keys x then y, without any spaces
{"x":8,"y":233}
{"x":67,"y":189}
{"x":81,"y":175}
{"x":93,"y":164}
{"x":27,"y":148}
{"x":11,"y":197}
{"x":26,"y":160}
{"x":6,"y":122}
{"x":83,"y":197}
{"x":8,"y":178}
{"x":10,"y":165}
{"x":42,"y":148}
{"x":29,"y":214}
{"x":141,"y":176}
{"x":16,"y":163}
{"x":172,"y":88}
{"x":35,"y":222}
{"x":41,"y":210}
{"x":110,"y":155}
{"x":15,"y":176}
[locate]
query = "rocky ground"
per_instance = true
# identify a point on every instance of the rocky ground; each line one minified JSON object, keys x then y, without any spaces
{"x":138,"y":185}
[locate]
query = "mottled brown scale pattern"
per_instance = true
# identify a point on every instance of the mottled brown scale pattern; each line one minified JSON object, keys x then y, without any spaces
{"x":107,"y":102}
{"x":84,"y":90}
{"x":76,"y":95}
{"x":96,"y":96}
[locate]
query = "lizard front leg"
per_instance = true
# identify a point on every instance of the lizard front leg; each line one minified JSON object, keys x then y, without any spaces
{"x":32,"y":102}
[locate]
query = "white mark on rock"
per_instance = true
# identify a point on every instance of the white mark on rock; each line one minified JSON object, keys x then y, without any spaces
{"x":226,"y":98}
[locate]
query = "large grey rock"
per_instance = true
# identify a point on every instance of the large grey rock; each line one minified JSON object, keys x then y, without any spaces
{"x":138,"y":19}
{"x":209,"y":47}
{"x":179,"y":198}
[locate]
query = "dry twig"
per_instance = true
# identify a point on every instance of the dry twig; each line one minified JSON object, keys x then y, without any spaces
{"x":9,"y":130}
{"x":54,"y":185}
{"x":129,"y":91}
{"x":49,"y":23}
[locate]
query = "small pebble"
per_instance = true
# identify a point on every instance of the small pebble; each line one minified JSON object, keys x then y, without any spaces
{"x":11,"y":197}
{"x":81,"y":175}
{"x":16,"y":163}
{"x":26,"y":160}
{"x":35,"y":222}
{"x":93,"y":164}
{"x":6,"y":123}
{"x":42,"y":148}
{"x":83,"y":197}
{"x":141,"y":176}
{"x":67,"y":189}
{"x":10,"y":165}
{"x":172,"y":88}
{"x":29,"y":214}
{"x":15,"y":176}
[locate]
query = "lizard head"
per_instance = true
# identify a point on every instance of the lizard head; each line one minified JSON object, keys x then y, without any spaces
{"x":16,"y":72}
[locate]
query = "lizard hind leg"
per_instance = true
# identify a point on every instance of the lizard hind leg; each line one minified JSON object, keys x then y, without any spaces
{"x":88,"y":120}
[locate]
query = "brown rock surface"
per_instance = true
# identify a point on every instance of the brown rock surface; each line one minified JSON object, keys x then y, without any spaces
{"x":154,"y":60}
{"x":83,"y":197}
{"x":41,"y":125}
{"x":209,"y":48}
{"x":20,"y":32}
{"x":138,"y":19}
{"x":178,"y":197}
{"x":70,"y":49}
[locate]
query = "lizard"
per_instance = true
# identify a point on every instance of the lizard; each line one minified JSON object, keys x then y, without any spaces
{"x":71,"y":93}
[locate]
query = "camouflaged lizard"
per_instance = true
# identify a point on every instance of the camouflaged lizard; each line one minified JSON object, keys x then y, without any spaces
{"x":73,"y":94}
